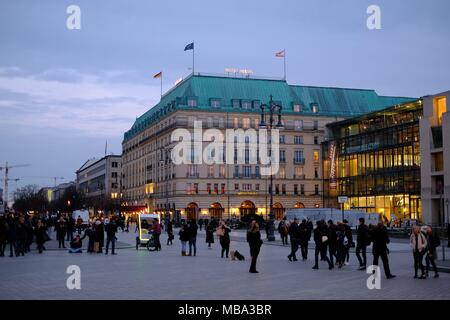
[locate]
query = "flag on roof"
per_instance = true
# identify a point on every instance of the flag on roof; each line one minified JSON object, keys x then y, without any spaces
{"x":280,"y":54}
{"x":190,"y":46}
{"x":158,"y":75}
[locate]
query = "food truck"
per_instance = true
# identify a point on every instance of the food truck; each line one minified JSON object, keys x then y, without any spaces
{"x":145,"y":222}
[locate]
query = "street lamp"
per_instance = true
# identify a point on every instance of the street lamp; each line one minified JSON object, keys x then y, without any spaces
{"x":272,"y":109}
{"x":162,"y":161}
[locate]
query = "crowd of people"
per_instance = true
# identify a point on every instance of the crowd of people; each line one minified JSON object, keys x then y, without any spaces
{"x":332,"y":241}
{"x":19,"y":231}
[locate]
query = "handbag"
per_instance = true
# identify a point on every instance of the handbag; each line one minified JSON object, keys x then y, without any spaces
{"x":220,"y":232}
{"x":324,"y":238}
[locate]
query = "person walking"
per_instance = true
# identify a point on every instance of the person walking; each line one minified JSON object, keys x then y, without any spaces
{"x":169,"y":230}
{"x":200,"y":223}
{"x":283,"y":231}
{"x":156,"y":229}
{"x":12,"y":235}
{"x":223,"y":231}
{"x":362,"y":241}
{"x":342,"y":242}
{"x":332,"y":240}
{"x":21,"y":236}
{"x":61,"y":232}
{"x":3,"y":235}
{"x":99,"y":235}
{"x":40,"y":234}
{"x":184,"y":238}
{"x":193,"y":237}
{"x":210,"y":234}
{"x":321,"y":238}
{"x":255,"y":242}
{"x":90,"y":234}
{"x":111,"y":229}
{"x":70,"y":227}
{"x":293,"y":234}
{"x":433,"y":241}
{"x":348,"y":242}
{"x":380,"y":240}
{"x":418,"y":242}
{"x":304,"y":236}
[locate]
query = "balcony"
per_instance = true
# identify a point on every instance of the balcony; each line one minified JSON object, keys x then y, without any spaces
{"x":299,"y":161}
{"x":300,"y":177}
{"x":192,"y":175}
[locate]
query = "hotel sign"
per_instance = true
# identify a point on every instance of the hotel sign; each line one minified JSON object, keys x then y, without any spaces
{"x":332,"y":157}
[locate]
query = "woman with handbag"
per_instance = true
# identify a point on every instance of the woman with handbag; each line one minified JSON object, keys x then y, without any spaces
{"x":255,"y":242}
{"x":418,"y":243}
{"x":224,"y":238}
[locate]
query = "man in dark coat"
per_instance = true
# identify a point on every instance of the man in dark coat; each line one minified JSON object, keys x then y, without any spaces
{"x":61,"y":228}
{"x":21,"y":237}
{"x":321,"y":241}
{"x":332,"y":240}
{"x":111,"y":229}
{"x":192,"y":237}
{"x":304,"y":236}
{"x":3,"y":235}
{"x":362,"y":241}
{"x":70,"y":227}
{"x":293,"y":233}
{"x":100,"y":235}
{"x":349,"y":236}
{"x":380,"y":240}
{"x":12,"y":235}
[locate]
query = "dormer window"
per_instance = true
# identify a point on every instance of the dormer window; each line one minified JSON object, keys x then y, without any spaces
{"x":215,"y":103}
{"x":246,"y":104}
{"x":192,"y":102}
{"x":297,"y":108}
{"x":314,"y":108}
{"x":256,"y":104}
{"x":236,"y":103}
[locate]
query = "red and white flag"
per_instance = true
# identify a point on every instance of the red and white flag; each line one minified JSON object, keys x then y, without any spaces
{"x":280,"y":54}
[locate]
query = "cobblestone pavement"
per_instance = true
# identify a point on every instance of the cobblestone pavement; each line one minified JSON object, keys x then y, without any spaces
{"x":167,"y":275}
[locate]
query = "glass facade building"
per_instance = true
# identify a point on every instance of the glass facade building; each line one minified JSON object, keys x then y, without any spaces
{"x":374,"y":160}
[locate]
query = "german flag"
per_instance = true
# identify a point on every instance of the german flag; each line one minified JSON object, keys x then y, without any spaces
{"x":158,"y":75}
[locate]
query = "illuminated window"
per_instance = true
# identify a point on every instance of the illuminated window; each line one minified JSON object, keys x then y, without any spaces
{"x":246,"y":123}
{"x":316,"y":156}
{"x":282,"y":173}
{"x":297,"y":108}
{"x":441,"y":108}
{"x":114,"y":195}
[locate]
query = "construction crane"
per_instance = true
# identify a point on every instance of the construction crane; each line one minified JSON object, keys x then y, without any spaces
{"x":6,"y":178}
{"x":55,"y":179}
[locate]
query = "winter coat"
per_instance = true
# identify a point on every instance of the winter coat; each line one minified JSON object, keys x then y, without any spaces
{"x":225,"y":239}
{"x":111,"y":229}
{"x":210,"y":234}
{"x":380,"y":239}
{"x":254,"y":241}
{"x":421,"y":242}
{"x":362,"y":235}
{"x":40,"y":234}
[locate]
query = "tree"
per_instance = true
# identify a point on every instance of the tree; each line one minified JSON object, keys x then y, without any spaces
{"x":28,"y":198}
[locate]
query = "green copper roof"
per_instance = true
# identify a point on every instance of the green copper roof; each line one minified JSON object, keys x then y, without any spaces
{"x":340,"y":102}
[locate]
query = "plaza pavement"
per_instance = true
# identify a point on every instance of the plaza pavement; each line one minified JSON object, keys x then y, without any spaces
{"x":167,"y":275}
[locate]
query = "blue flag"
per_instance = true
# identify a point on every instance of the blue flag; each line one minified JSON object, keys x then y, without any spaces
{"x":190,"y":46}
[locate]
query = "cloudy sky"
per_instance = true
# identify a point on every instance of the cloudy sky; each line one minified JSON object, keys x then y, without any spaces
{"x":63,"y":92}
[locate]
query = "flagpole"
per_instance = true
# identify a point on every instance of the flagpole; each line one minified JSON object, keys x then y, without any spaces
{"x":161,"y":83}
{"x":193,"y":55}
{"x":284,"y":63}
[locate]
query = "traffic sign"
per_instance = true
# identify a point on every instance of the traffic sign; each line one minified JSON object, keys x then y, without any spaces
{"x":342,"y":199}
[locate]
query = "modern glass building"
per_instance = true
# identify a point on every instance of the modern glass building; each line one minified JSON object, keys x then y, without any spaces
{"x":374,"y":160}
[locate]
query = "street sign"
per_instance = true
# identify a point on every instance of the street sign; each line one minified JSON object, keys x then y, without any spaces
{"x":342,"y":199}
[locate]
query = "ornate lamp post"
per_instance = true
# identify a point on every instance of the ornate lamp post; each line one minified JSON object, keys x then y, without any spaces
{"x":272,"y":109}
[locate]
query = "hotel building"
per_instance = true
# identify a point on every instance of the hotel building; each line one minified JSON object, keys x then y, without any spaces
{"x":153,"y":181}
